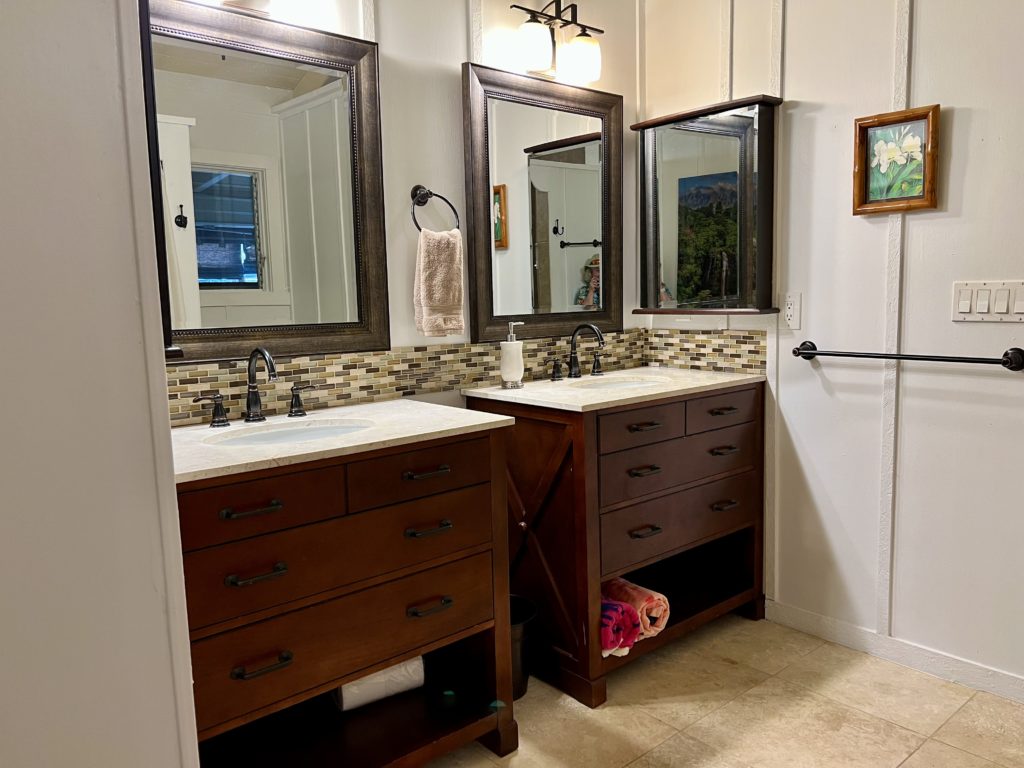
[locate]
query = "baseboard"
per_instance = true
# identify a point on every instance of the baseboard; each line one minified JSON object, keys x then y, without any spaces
{"x":903,"y":652}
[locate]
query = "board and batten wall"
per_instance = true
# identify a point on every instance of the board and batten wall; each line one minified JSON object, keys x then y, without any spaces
{"x":895,"y":523}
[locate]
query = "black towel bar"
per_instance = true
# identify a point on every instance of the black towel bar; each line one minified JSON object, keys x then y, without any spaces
{"x":589,"y":243}
{"x":421,"y":196}
{"x":1012,"y":359}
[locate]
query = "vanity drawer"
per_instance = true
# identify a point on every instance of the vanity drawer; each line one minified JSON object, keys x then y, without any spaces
{"x":235,"y":579}
{"x":632,"y":535}
{"x":239,"y":510}
{"x":642,"y":426}
{"x":243,"y":670}
{"x":719,"y":411}
{"x":390,"y":479}
{"x":630,"y":474}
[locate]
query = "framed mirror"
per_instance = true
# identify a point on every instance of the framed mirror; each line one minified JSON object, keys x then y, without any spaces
{"x":707,"y":208}
{"x":266,"y":174}
{"x":544,"y":192}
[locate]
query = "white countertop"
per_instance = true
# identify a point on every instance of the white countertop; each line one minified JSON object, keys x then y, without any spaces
{"x":197,"y":454}
{"x":615,"y":388}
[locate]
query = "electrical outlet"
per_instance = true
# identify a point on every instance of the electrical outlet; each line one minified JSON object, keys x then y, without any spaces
{"x":791,"y":311}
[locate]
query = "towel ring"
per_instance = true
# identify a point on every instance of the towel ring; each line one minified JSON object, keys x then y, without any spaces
{"x":421,"y":196}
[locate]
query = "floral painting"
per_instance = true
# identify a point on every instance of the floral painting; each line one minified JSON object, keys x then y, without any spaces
{"x":896,"y":171}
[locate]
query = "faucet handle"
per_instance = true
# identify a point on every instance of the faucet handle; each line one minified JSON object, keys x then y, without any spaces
{"x":595,"y":369}
{"x":220,"y":417}
{"x":296,"y":407}
{"x":556,"y":368}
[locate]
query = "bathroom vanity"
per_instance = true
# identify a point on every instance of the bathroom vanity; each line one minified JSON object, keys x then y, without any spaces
{"x":322,"y":549}
{"x":653,"y":474}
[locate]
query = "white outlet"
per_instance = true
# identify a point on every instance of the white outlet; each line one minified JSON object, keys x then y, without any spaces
{"x":791,"y":311}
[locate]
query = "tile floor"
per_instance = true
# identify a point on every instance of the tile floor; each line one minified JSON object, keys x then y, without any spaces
{"x":742,"y":694}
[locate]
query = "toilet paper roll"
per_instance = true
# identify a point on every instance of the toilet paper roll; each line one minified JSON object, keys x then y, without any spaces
{"x":397,"y":679}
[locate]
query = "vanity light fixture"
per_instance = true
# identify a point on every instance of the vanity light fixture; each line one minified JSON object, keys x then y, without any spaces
{"x":577,"y":62}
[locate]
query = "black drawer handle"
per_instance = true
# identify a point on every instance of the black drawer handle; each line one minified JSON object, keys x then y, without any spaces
{"x":418,"y":613}
{"x":444,"y":469}
{"x":724,"y":506}
{"x":726,"y":411}
{"x":653,"y":469}
{"x":648,"y":426}
{"x":228,"y":513}
{"x":646,"y":532}
{"x":284,"y":658}
{"x":443,"y":527}
{"x":724,"y":450}
{"x":279,"y":570}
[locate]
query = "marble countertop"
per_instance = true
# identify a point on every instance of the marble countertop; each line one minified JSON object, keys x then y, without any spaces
{"x":200,"y":452}
{"x":615,"y":388}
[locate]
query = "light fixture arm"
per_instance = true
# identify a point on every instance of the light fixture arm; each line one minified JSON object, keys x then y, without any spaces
{"x":559,"y":16}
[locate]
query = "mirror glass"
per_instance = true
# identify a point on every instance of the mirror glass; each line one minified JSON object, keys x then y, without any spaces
{"x":546,"y":174}
{"x":256,"y":163}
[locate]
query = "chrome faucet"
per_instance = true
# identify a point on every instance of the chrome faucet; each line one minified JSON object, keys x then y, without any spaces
{"x":574,"y":358}
{"x":253,"y":404}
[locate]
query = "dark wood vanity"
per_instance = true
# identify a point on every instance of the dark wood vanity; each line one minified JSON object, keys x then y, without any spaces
{"x":666,"y":493}
{"x":305,"y":577}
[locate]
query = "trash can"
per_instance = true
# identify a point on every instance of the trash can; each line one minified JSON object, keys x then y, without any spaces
{"x":522,"y":612}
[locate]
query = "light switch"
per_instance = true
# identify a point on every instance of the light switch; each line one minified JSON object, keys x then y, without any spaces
{"x":983,"y":297}
{"x":1002,"y":302}
{"x":963,"y":305}
{"x":1018,"y":305}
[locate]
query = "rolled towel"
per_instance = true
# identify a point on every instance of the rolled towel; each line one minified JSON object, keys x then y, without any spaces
{"x":437,"y":284}
{"x":397,"y":679}
{"x":652,"y":606}
{"x":620,"y":627}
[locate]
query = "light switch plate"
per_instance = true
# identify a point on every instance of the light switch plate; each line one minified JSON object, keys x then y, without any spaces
{"x":988,"y":301}
{"x":791,"y":310}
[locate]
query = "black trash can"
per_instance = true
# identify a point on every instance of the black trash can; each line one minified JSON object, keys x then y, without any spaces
{"x":522,"y":612}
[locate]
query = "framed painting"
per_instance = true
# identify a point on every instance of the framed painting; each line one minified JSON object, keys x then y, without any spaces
{"x":500,"y":216}
{"x":894,"y":161}
{"x":708,"y":240}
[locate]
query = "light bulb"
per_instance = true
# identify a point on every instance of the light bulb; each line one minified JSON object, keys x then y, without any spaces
{"x":534,"y":40}
{"x":579,"y":60}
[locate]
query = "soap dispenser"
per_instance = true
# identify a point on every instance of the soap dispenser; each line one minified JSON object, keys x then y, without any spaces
{"x":512,"y":367}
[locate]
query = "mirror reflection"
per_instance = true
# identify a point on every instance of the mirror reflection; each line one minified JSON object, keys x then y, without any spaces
{"x":546,"y":173}
{"x":257,"y":180}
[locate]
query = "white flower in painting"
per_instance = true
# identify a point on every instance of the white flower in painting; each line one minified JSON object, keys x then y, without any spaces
{"x":886,"y":153}
{"x":912,"y":146}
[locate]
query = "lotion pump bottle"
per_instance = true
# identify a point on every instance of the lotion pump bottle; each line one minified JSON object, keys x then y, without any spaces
{"x":512,"y":367}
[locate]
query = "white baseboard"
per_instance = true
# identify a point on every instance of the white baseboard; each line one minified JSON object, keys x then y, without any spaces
{"x":903,"y":652}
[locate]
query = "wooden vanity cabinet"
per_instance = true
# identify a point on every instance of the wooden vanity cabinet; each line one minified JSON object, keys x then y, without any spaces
{"x":667,"y":494}
{"x":301,"y":578}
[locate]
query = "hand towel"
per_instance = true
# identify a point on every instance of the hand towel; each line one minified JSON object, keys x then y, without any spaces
{"x":652,"y":606}
{"x":620,"y":626}
{"x":437,"y":286}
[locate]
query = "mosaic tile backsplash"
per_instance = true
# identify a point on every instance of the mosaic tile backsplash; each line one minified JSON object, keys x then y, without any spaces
{"x":346,"y":378}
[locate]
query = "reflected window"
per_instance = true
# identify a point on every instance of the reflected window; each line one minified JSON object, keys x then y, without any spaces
{"x":227,"y":227}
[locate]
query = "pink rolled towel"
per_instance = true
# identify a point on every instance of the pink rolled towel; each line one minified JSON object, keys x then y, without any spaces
{"x":620,"y":627}
{"x":651,"y":606}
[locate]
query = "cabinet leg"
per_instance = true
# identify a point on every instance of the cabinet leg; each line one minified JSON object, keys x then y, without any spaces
{"x":503,"y":739}
{"x":754,"y":610}
{"x":592,"y":693}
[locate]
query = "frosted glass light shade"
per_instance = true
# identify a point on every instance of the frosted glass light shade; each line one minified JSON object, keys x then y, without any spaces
{"x":535,"y":49}
{"x":579,"y":60}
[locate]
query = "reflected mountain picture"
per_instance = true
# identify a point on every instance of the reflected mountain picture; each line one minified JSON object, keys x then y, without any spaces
{"x":708,"y":240}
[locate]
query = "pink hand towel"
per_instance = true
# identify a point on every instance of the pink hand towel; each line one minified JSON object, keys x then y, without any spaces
{"x":620,"y":627}
{"x":652,"y":606}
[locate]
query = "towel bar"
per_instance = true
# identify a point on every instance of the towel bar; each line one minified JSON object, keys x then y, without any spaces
{"x":1012,"y":359}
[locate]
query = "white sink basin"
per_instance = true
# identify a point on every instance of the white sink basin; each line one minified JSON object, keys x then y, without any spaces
{"x":286,"y":432}
{"x":620,"y":382}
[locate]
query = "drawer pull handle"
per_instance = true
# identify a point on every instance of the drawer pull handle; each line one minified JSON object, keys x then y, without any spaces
{"x":645,"y":427}
{"x":279,"y":570}
{"x":284,"y":658}
{"x":646,"y":532}
{"x":724,"y":450}
{"x":726,"y":411}
{"x":443,"y":527}
{"x":419,"y":613}
{"x":724,"y":506}
{"x":444,"y":469}
{"x":653,"y":469}
{"x":228,"y":513}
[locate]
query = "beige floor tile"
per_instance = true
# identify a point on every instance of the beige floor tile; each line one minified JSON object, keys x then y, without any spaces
{"x":781,"y":725}
{"x":556,"y":731}
{"x":682,"y":751}
{"x":677,"y":686}
{"x":900,"y":695}
{"x":470,"y":756}
{"x":934,"y":754}
{"x":762,"y":645}
{"x":988,"y":726}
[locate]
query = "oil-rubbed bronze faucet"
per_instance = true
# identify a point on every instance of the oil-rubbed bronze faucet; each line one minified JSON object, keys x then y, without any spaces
{"x":574,"y":358}
{"x":253,"y":404}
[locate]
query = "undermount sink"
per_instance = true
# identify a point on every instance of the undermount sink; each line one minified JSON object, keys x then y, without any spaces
{"x":620,"y":382}
{"x":286,"y":432}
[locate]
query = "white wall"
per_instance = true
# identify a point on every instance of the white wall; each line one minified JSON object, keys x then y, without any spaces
{"x":91,"y":659}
